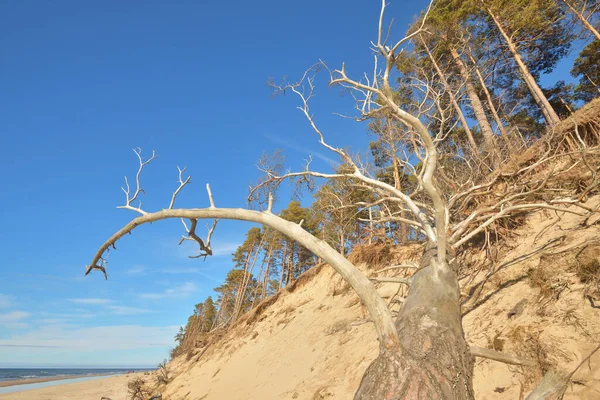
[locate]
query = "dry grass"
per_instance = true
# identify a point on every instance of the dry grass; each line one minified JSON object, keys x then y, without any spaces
{"x":587,"y":269}
{"x":528,"y":345}
{"x":545,"y":279}
{"x":162,"y":376}
{"x":374,"y":255}
{"x":136,"y":389}
{"x":305,"y":278}
{"x":257,"y":313}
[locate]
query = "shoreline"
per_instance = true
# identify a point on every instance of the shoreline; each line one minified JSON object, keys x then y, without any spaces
{"x":17,"y":382}
{"x":79,"y":388}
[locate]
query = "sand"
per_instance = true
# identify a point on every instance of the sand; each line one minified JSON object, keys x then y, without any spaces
{"x":315,"y":342}
{"x":114,"y":387}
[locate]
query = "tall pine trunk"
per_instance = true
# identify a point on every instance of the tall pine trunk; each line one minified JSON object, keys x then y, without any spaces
{"x":490,"y":103}
{"x":283,"y":265}
{"x":539,"y":97}
{"x":490,"y":146}
{"x":266,"y":276}
{"x":241,"y":290}
{"x":457,"y":109}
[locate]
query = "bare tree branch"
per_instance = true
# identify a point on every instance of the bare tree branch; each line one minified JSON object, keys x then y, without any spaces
{"x":138,"y":188}
{"x":182,"y":183}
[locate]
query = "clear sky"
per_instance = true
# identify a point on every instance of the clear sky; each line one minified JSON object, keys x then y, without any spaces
{"x":83,"y":83}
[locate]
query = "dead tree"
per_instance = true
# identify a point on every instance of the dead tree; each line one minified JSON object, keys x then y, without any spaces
{"x":423,"y":354}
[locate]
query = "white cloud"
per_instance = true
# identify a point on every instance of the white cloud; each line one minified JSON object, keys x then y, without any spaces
{"x":53,"y":321}
{"x":14,"y":319}
{"x":91,"y":301}
{"x":136,"y":270}
{"x":77,"y":313}
{"x":123,"y":310}
{"x":104,"y":338}
{"x":184,"y":290}
{"x":5,"y":300}
{"x":180,"y":271}
{"x":303,"y":149}
{"x":14,"y":316}
{"x":194,"y":271}
{"x":224,"y":249}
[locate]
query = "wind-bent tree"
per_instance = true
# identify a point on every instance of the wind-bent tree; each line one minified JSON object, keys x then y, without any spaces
{"x":423,"y":354}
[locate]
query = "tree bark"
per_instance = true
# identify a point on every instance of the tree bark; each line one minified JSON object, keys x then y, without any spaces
{"x":433,"y":360}
{"x":539,"y":97}
{"x":482,"y":120}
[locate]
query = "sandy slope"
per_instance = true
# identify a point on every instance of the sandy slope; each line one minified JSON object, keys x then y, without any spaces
{"x":315,"y":343}
{"x":114,"y":387}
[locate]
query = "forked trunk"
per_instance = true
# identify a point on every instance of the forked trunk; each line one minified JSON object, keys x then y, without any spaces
{"x":433,"y":361}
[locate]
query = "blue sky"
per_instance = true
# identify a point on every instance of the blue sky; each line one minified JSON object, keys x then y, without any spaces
{"x":83,"y":83}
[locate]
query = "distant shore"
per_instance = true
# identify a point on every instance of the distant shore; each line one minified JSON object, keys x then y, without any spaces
{"x":89,"y":387}
{"x":47,"y":379}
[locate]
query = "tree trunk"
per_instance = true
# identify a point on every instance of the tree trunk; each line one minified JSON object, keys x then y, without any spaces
{"x":292,"y":274}
{"x":241,"y":289}
{"x":246,"y":278}
{"x":490,"y":103}
{"x":488,"y":97}
{"x":539,"y":97}
{"x":220,"y":313}
{"x":266,"y":276}
{"x":370,"y":225}
{"x":283,"y":265}
{"x":461,"y":115}
{"x":490,"y":146}
{"x":433,"y":360}
{"x":583,"y":20}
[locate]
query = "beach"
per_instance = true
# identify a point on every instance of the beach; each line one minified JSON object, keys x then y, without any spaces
{"x":41,"y":380}
{"x":113,"y":387}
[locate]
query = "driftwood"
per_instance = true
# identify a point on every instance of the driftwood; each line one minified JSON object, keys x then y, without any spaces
{"x":553,"y":384}
{"x":502,"y":357}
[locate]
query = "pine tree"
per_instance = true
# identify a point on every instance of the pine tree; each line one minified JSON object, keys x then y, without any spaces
{"x":587,"y":68}
{"x":536,"y":38}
